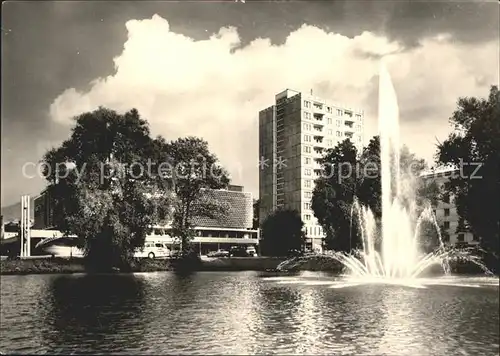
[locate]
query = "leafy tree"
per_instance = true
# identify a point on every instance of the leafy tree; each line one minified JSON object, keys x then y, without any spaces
{"x":334,"y":193}
{"x":194,"y":170}
{"x":99,"y":188}
{"x":282,"y":232}
{"x":474,"y":148}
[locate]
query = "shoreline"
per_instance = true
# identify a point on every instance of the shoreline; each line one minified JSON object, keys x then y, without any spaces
{"x":59,"y":265}
{"x":22,"y":267}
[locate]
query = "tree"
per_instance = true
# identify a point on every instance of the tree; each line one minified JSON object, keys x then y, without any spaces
{"x":347,"y":176}
{"x":474,"y":149}
{"x":99,"y":189}
{"x":194,"y":171}
{"x":334,"y":193}
{"x":282,"y":232}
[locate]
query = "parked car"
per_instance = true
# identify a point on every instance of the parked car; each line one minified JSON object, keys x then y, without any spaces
{"x":219,"y":253}
{"x":238,"y":251}
{"x":153,"y":250}
{"x":243,"y":251}
{"x":251,"y":251}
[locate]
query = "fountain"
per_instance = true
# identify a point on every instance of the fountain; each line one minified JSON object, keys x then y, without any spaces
{"x":398,"y":258}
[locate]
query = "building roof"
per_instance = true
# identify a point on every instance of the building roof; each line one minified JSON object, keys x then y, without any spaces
{"x":239,"y":213}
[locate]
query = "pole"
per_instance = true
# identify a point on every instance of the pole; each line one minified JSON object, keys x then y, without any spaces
{"x":21,"y":228}
{"x":28,"y":226}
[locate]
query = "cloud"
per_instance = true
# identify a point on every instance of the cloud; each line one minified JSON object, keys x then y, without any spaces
{"x":215,"y":88}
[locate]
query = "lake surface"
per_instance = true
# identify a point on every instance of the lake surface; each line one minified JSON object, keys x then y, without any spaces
{"x":245,"y":313}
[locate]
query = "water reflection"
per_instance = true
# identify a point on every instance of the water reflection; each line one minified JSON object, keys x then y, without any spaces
{"x":312,"y":327}
{"x":241,"y":313}
{"x":94,"y":314}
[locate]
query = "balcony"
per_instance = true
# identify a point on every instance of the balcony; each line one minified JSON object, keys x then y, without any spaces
{"x":349,"y":123}
{"x":318,"y":129}
{"x":318,"y":150}
{"x":318,"y":107}
{"x":319,"y":118}
{"x":318,"y":139}
{"x":318,"y":143}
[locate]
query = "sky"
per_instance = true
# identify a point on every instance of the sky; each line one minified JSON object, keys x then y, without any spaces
{"x":207,"y":68}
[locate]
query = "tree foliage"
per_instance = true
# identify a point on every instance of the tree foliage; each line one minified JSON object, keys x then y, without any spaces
{"x":474,"y":148}
{"x":256,"y":207}
{"x":194,"y":170}
{"x":282,"y":232}
{"x":99,"y":188}
{"x":334,"y":193}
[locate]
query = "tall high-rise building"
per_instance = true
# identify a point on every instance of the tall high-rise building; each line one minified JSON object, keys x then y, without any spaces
{"x":293,"y":134}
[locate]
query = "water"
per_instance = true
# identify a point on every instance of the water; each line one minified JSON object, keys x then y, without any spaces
{"x":398,"y":259}
{"x":245,"y":313}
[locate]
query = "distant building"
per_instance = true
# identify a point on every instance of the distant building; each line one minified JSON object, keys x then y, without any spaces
{"x":293,"y":134}
{"x":446,"y":211}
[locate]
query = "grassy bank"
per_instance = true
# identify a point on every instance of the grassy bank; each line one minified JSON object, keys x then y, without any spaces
{"x":75,"y":265}
{"x":240,"y":264}
{"x":320,"y":264}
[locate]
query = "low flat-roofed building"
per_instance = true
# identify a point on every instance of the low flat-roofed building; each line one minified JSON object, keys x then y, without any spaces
{"x":232,"y":228}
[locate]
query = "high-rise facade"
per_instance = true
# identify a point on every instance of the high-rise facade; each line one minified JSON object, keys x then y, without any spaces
{"x":446,"y":210}
{"x":293,"y":134}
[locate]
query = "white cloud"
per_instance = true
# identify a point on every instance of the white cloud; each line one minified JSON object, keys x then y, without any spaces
{"x":207,"y":88}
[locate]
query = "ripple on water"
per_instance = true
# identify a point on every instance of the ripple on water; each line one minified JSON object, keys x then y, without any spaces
{"x":244,"y":313}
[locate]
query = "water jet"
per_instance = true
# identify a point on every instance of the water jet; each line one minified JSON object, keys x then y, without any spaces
{"x":398,"y":259}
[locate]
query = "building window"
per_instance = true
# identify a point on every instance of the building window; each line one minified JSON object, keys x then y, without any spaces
{"x":308,"y":195}
{"x":330,"y":131}
{"x":307,"y":217}
{"x":307,"y":115}
{"x":307,"y":104}
{"x":339,"y":134}
{"x":446,"y":212}
{"x":307,"y":183}
{"x":446,"y":225}
{"x":306,"y":127}
{"x":340,"y":112}
{"x":460,"y":237}
{"x":307,"y":138}
{"x":307,"y":206}
{"x":328,"y":109}
{"x":307,"y":160}
{"x":329,"y":120}
{"x":307,"y":171}
{"x":329,"y":143}
{"x":358,"y":116}
{"x":338,"y":123}
{"x":307,"y":149}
